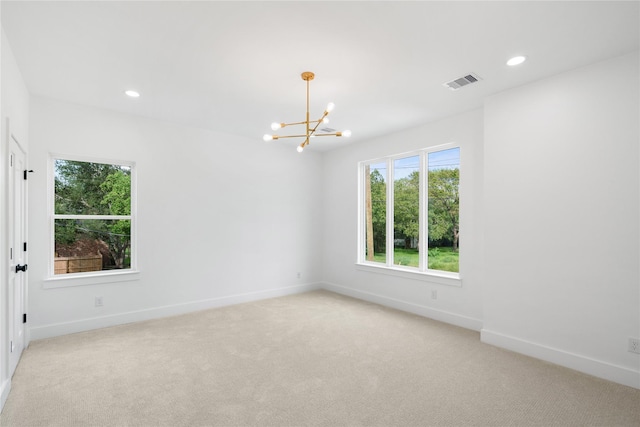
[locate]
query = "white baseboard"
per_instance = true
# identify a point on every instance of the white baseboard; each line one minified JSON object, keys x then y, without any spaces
{"x":54,"y":330}
{"x":5,"y":388}
{"x":420,"y":310}
{"x":597,"y":368}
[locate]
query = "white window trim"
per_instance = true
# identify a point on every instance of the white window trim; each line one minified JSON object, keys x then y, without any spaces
{"x":421,"y":273}
{"x":429,"y":276}
{"x":90,"y":278}
{"x":94,"y":277}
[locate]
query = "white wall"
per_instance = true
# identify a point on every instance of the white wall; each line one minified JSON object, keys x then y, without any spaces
{"x":457,"y":305}
{"x":221,"y":219}
{"x":562,"y":219}
{"x":14,"y":106}
{"x":15,"y":97}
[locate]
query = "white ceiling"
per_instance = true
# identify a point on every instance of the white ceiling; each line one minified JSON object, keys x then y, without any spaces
{"x":235,"y":66}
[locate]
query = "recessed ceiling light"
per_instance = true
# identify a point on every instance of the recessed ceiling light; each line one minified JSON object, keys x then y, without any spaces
{"x":516,"y":60}
{"x":132,"y":93}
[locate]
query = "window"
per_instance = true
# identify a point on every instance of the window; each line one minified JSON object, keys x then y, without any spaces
{"x":412,"y":224}
{"x":92,"y":217}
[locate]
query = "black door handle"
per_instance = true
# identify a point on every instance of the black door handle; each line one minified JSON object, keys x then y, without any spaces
{"x":21,"y":268}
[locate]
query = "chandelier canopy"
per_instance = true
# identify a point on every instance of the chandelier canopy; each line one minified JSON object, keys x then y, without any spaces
{"x":310,"y":125}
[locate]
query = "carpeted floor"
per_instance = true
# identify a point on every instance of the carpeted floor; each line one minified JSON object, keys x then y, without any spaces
{"x":311,"y":359}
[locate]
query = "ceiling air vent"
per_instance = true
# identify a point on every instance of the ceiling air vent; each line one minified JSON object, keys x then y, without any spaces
{"x":462,"y":81}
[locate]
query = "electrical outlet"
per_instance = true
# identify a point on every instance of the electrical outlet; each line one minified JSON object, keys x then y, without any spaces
{"x":434,"y":294}
{"x":634,"y":345}
{"x":99,"y":302}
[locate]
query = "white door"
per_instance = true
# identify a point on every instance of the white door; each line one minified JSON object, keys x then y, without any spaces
{"x":16,"y":295}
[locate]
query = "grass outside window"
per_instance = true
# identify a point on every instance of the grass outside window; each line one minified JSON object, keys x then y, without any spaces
{"x":440,"y":258}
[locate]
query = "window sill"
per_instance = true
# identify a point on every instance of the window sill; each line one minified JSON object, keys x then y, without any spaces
{"x":440,"y":277}
{"x":83,"y":279}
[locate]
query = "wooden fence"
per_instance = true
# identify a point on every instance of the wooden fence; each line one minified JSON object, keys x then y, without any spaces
{"x":77,"y":264}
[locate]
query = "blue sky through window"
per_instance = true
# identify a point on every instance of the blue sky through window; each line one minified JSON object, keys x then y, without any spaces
{"x":444,"y":159}
{"x":402,"y":168}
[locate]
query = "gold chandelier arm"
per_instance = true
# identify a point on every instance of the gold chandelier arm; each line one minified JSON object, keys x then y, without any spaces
{"x":317,"y":124}
{"x":325,"y":114}
{"x":289,"y":136}
{"x":292,"y":124}
{"x":301,"y":123}
{"x":312,"y":134}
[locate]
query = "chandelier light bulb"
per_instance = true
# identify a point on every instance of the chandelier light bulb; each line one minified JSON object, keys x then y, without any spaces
{"x":325,"y":120}
{"x":330,"y":107}
{"x":300,"y":148}
{"x":267,"y":137}
{"x":346,"y":133}
{"x":276,"y":126}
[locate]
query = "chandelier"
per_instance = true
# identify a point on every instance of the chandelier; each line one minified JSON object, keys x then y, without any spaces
{"x":311,"y":125}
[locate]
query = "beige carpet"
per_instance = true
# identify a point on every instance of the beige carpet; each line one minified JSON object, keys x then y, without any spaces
{"x":303,"y":360}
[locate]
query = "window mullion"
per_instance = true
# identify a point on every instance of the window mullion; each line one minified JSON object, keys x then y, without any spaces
{"x":390,"y":232}
{"x":362,"y":213}
{"x":423,"y":233}
{"x":108,"y":217}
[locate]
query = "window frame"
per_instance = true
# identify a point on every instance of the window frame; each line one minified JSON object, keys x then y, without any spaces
{"x":422,"y":272}
{"x":94,"y":277}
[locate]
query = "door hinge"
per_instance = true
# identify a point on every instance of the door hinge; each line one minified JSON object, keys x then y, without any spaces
{"x":26,"y":172}
{"x":24,"y":318}
{"x":24,"y":248}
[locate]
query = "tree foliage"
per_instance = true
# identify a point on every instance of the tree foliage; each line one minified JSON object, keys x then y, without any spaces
{"x":379,"y":210}
{"x":444,"y":205}
{"x":406,"y":209}
{"x":117,"y":193}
